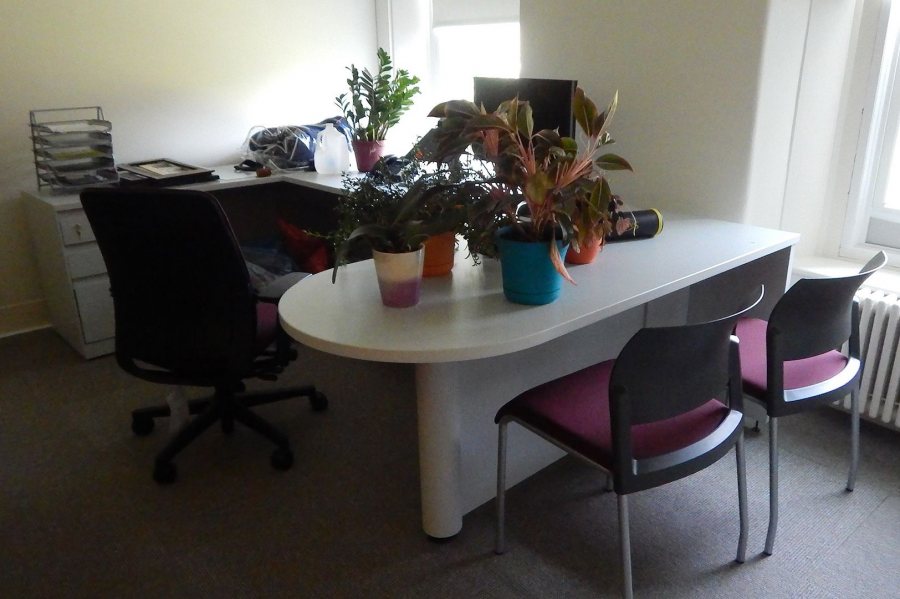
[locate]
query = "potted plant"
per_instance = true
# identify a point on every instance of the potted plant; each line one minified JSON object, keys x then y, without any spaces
{"x":595,"y":217}
{"x":394,"y":214}
{"x":544,"y":189}
{"x":374,"y":104}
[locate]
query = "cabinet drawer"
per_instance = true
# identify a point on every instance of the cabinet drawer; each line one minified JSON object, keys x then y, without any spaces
{"x":95,"y":307}
{"x":74,"y":227}
{"x":85,"y":261}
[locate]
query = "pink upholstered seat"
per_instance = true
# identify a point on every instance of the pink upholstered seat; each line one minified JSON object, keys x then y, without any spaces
{"x":668,"y":406}
{"x":574,"y":409}
{"x":809,"y":322}
{"x":187,"y":314}
{"x":797,"y":373}
{"x":266,"y":325}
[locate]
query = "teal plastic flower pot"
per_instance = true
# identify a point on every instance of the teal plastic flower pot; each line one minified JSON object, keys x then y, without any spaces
{"x":529,"y":276}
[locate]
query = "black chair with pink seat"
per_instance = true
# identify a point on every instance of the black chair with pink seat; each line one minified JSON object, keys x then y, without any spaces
{"x":668,"y":406}
{"x":793,"y":362}
{"x":186,"y":313}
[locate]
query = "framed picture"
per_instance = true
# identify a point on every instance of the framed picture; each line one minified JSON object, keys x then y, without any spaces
{"x":162,"y":169}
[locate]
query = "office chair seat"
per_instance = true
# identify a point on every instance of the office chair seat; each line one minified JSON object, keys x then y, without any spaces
{"x":574,"y":410}
{"x":790,"y":362}
{"x":187,"y":314}
{"x":797,"y":373}
{"x":266,"y":326}
{"x":668,"y":406}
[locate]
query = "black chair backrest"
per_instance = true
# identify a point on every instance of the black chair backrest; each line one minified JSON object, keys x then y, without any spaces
{"x":815,"y":315}
{"x":667,"y":371}
{"x":181,"y":290}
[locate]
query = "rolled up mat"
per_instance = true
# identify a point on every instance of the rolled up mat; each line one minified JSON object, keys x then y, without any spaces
{"x":644,"y":224}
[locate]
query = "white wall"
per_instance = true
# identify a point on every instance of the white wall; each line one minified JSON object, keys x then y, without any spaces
{"x":183,"y":80}
{"x":779,"y":82}
{"x":687,"y":76}
{"x":726,"y":109}
{"x":816,"y":187}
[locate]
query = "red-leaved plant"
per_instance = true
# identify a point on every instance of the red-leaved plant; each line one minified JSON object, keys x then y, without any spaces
{"x":543,"y":185}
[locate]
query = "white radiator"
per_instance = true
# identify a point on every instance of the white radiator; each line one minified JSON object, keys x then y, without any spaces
{"x":879,"y":330}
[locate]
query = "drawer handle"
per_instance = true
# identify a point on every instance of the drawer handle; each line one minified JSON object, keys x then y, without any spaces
{"x":78,"y":230}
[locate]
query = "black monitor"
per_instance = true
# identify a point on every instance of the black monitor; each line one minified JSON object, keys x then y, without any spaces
{"x":550,"y":99}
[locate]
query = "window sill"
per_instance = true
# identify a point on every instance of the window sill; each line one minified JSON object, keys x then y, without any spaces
{"x":887,"y":279}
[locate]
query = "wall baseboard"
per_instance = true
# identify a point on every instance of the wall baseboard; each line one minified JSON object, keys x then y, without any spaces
{"x":24,"y":317}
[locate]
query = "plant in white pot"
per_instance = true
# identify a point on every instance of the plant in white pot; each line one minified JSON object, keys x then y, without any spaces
{"x":394,"y":214}
{"x":374,"y":104}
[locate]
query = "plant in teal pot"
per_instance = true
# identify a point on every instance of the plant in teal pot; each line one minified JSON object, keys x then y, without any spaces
{"x":538,"y":183}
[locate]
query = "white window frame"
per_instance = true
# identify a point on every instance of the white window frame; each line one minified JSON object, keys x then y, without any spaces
{"x":880,"y":120}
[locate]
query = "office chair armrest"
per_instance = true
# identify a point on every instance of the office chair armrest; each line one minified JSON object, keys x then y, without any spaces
{"x":273,"y":291}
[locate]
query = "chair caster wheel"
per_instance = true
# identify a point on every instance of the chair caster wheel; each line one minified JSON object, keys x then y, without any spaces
{"x":282,"y":459}
{"x":141,"y":425}
{"x":319,"y":402}
{"x":164,"y":473}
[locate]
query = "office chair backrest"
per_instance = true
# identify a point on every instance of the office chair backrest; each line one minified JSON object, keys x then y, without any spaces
{"x":181,"y":291}
{"x":814,"y":316}
{"x":670,"y":371}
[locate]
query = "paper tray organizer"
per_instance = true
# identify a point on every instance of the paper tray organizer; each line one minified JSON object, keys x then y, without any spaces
{"x":72,"y":148}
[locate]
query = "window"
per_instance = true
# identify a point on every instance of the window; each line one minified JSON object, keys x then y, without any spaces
{"x":460,"y":51}
{"x":446,"y":43}
{"x":873,"y":218}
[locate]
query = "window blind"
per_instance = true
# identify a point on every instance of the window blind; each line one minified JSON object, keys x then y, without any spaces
{"x":466,"y":12}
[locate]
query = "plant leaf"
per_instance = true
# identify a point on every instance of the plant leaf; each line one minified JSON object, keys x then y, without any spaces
{"x":613,"y":162}
{"x":585,"y":111}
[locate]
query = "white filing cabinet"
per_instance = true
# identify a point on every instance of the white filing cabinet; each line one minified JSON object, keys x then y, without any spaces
{"x":73,"y":274}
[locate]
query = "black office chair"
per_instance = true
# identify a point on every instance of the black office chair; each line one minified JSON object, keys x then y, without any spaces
{"x":792,"y":362}
{"x":186,"y":314}
{"x":651,"y":416}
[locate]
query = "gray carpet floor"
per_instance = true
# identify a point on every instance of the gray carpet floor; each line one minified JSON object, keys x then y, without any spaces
{"x":81,"y":517}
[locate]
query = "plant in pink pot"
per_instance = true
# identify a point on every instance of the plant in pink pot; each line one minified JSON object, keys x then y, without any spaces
{"x":393,"y":214}
{"x":374,"y":104}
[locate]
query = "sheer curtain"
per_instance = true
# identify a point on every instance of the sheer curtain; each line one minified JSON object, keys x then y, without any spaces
{"x":446,"y":43}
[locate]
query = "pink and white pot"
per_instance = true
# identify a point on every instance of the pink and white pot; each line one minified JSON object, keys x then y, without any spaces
{"x":399,"y":277}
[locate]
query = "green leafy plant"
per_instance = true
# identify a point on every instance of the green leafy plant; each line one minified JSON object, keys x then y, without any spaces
{"x":542,"y":184}
{"x":397,"y":210}
{"x":376,"y":102}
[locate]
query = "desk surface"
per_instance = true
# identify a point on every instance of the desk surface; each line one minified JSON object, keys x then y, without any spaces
{"x":228,"y":179}
{"x":465,"y":316}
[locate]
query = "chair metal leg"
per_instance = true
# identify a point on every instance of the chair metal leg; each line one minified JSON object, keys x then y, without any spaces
{"x":742,"y":498}
{"x":500,"y":541}
{"x":854,"y":437}
{"x":773,"y":485}
{"x":625,"y":546}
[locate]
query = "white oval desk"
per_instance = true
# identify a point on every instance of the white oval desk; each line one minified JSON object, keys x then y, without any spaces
{"x":473,"y":350}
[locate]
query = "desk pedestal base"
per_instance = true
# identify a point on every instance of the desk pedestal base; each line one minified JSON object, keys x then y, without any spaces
{"x":456,"y":404}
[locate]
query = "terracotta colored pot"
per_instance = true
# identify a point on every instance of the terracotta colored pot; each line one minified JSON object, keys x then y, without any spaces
{"x":587,"y":254}
{"x":439,"y":253}
{"x":367,"y":154}
{"x":399,"y":277}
